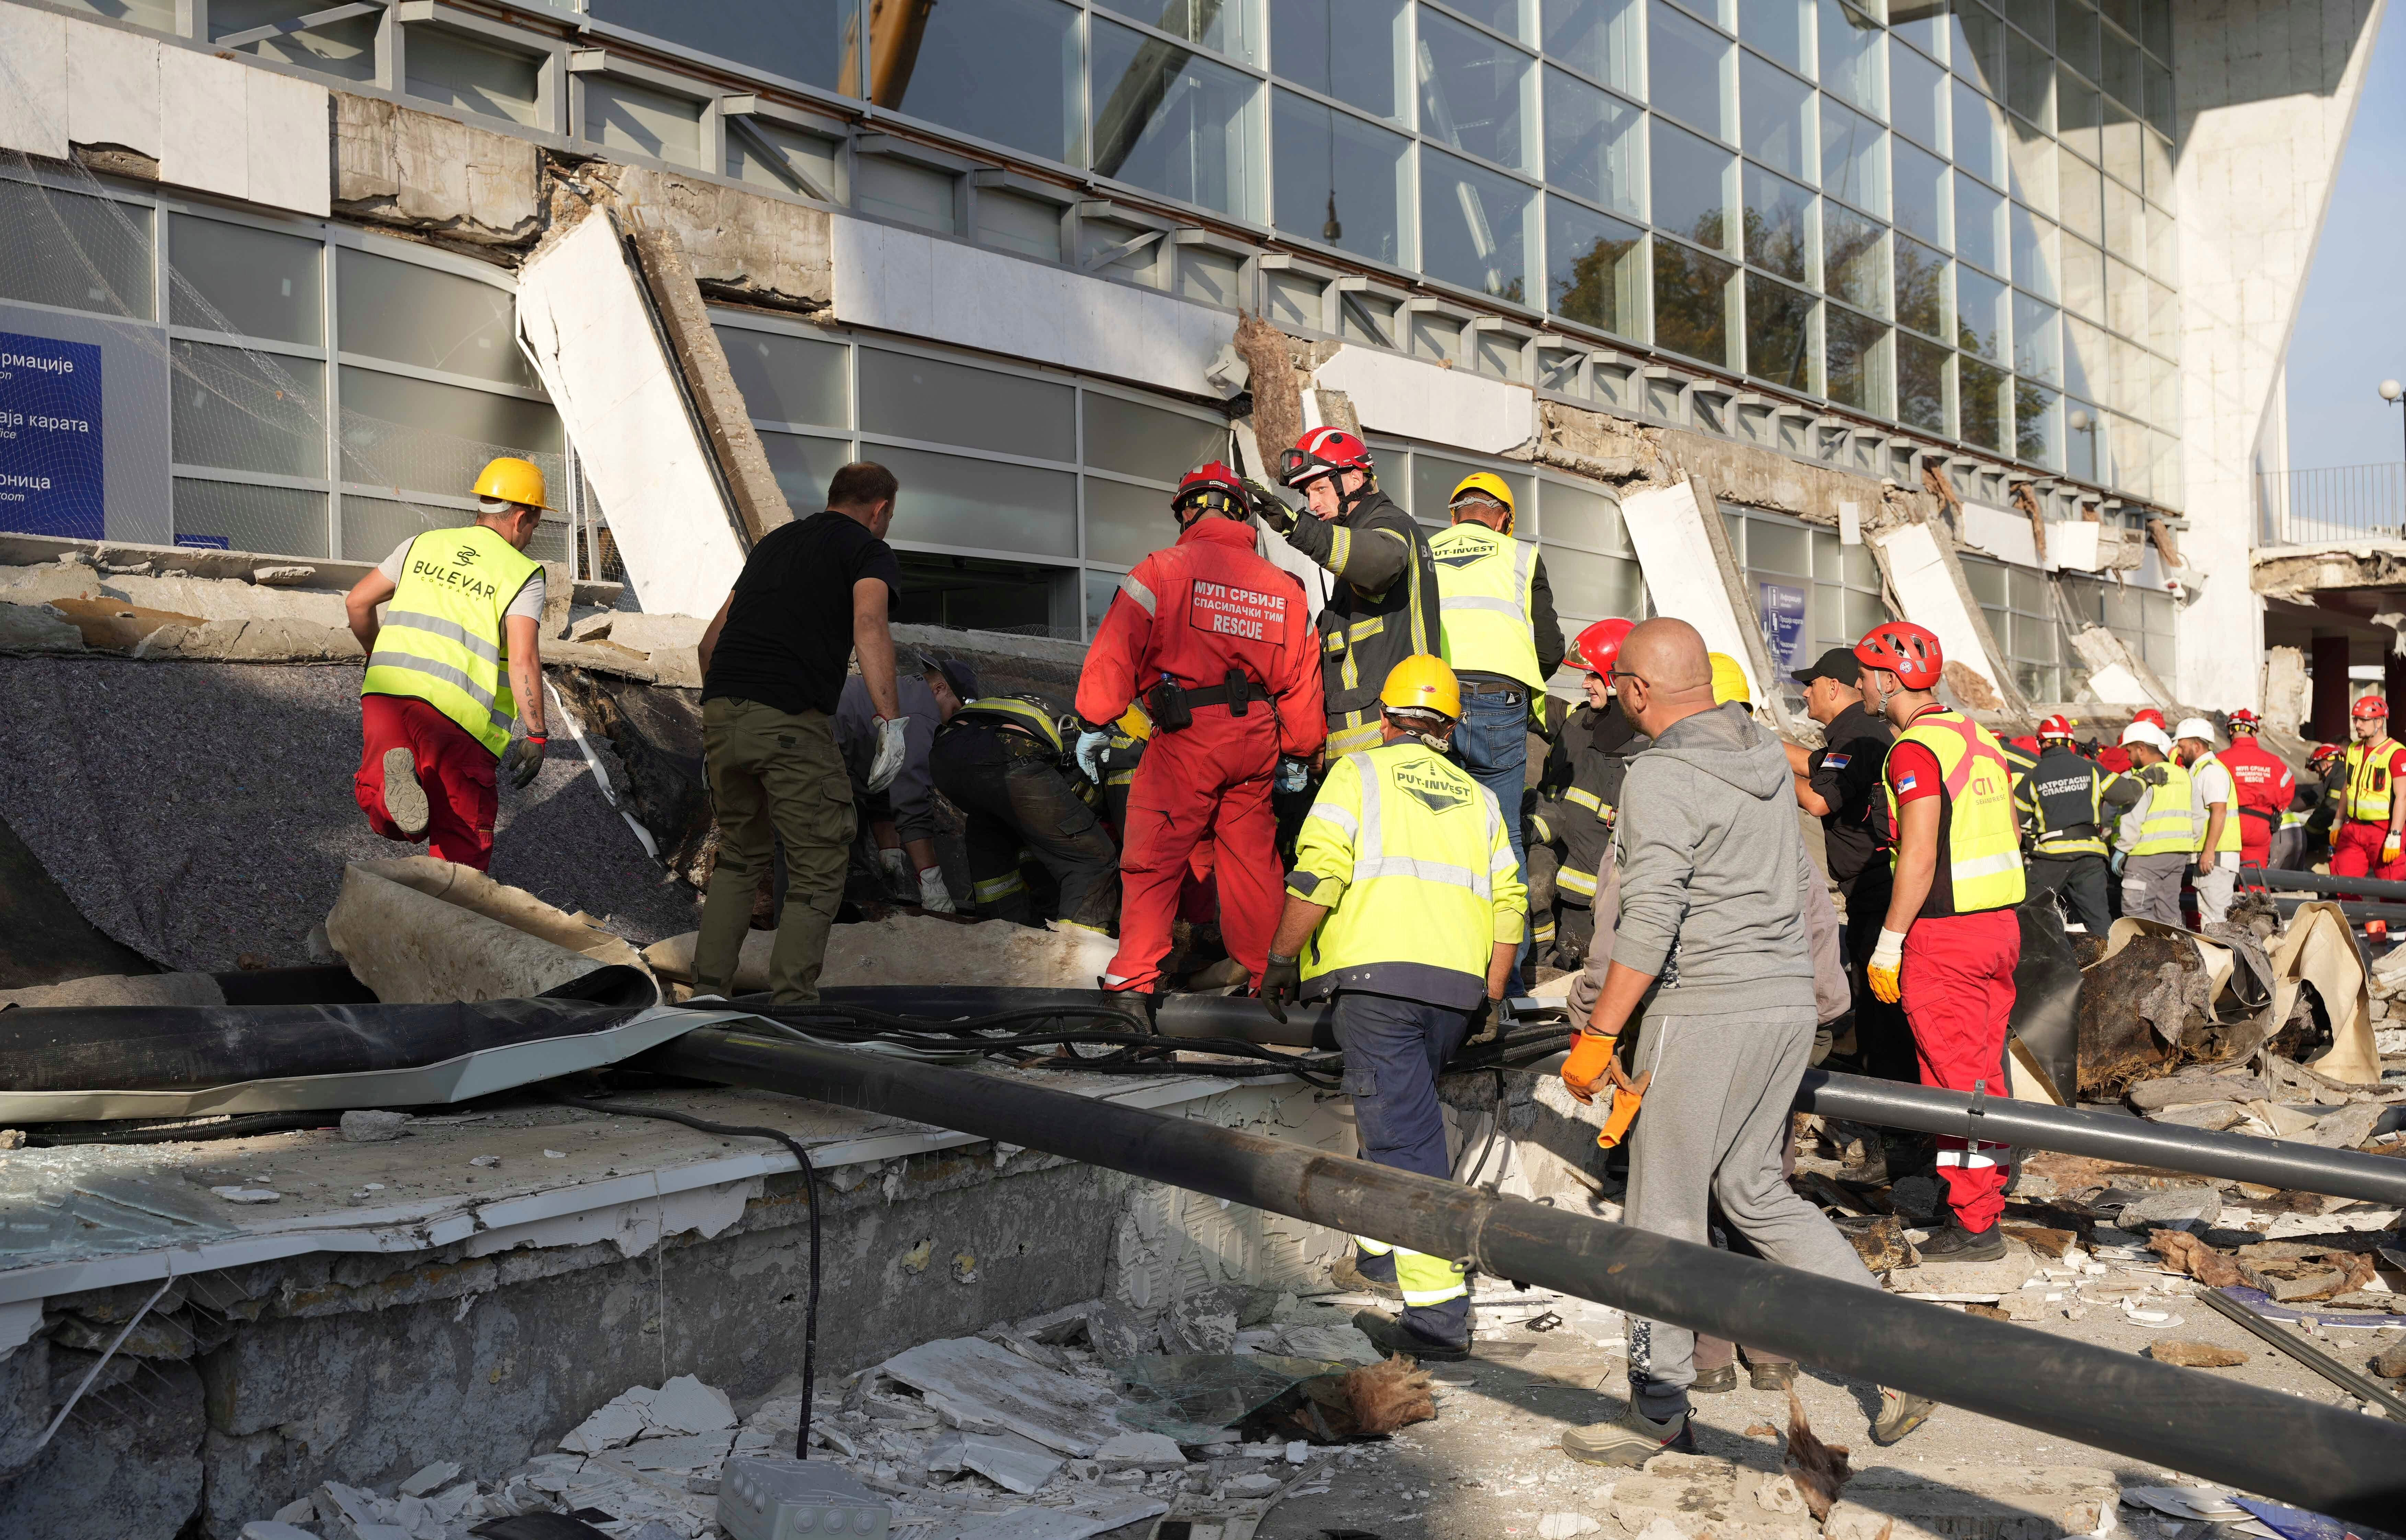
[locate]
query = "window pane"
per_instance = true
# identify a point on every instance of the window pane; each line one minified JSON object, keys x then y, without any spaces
{"x":2084,"y":279}
{"x":2163,"y":321}
{"x":1779,"y":234}
{"x":1778,"y":116}
{"x":803,"y":467}
{"x":2125,"y":229}
{"x":254,"y":283}
{"x":910,"y":397}
{"x":1029,"y":226}
{"x":1854,"y":260}
{"x":949,"y":500}
{"x":789,"y":379}
{"x":1004,"y":70}
{"x":1688,"y":73}
{"x":2034,"y":253}
{"x":346,"y":48}
{"x":1854,"y":161}
{"x":1691,"y":188}
{"x":1221,"y":28}
{"x":2126,"y":299}
{"x":2083,"y":441}
{"x":1920,"y":288}
{"x":1574,"y":515}
{"x":1780,"y":28}
{"x":2077,"y":115}
{"x":463,"y":71}
{"x":2156,"y":157}
{"x":1978,"y":47}
{"x":1434,"y":477}
{"x":2120,"y":134}
{"x":1979,"y":224}
{"x":2038,"y":426}
{"x":1854,"y":54}
{"x":2030,"y":156}
{"x":1980,"y":314}
{"x":2085,"y":363}
{"x":1173,"y":123}
{"x":1920,"y":194}
{"x":1145,"y":441}
{"x":2035,"y":17}
{"x":2030,"y":80}
{"x":1921,"y":383}
{"x":1586,"y":584}
{"x":1352,"y":49}
{"x":815,"y":156}
{"x":1596,"y":275}
{"x":2038,"y":349}
{"x":75,"y":252}
{"x":1979,"y":135}
{"x":2161,"y":111}
{"x":1983,"y":391}
{"x":2075,"y":35}
{"x":1691,"y":303}
{"x":239,"y":413}
{"x":2119,"y":71}
{"x":1779,"y":334}
{"x":284,"y":520}
{"x":413,"y":433}
{"x":2163,"y":245}
{"x":1475,"y":227}
{"x":622,"y":115}
{"x":2083,"y":198}
{"x":1125,"y":523}
{"x":1474,"y":92}
{"x":1592,"y":144}
{"x":801,"y":39}
{"x":1858,"y":365}
{"x":1597,"y":37}
{"x":1340,"y":179}
{"x":397,"y":310}
{"x":1918,"y":99}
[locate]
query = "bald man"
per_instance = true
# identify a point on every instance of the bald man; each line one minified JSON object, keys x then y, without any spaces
{"x":1712,"y":943}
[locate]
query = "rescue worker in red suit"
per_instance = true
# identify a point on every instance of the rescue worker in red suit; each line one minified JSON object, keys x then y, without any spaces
{"x":1218,"y":646}
{"x":2266,"y":783}
{"x":1951,"y":940}
{"x":2370,"y":840}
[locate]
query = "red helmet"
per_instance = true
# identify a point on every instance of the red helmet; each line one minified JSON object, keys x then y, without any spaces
{"x":2325,"y":758}
{"x":2055,"y":727}
{"x":2151,"y":716}
{"x":2243,"y":721}
{"x":1598,"y":647}
{"x":1213,"y":487}
{"x":1322,"y":451}
{"x":1908,"y":651}
{"x":2367,"y":707}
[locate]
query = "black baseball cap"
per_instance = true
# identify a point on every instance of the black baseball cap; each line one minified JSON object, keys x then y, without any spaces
{"x":1838,"y":663}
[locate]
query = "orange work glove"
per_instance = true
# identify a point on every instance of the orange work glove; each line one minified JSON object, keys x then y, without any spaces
{"x":1590,"y":1060}
{"x":1886,"y":969}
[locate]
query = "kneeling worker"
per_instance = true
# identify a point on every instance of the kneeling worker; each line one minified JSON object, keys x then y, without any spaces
{"x":453,"y":661}
{"x":1003,"y":760}
{"x":1406,"y":905}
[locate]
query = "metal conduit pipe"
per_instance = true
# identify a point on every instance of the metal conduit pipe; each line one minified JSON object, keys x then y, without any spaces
{"x":2314,"y":882}
{"x":2035,"y":1125}
{"x":2318,"y":1456}
{"x":2354,"y":913}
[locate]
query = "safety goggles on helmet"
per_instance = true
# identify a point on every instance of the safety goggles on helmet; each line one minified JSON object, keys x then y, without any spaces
{"x":1908,"y":651}
{"x":2243,"y":720}
{"x":1321,"y":452}
{"x":1598,"y":647}
{"x":1483,"y":488}
{"x":1212,"y":489}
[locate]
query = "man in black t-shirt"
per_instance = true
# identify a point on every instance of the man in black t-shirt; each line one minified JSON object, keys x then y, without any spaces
{"x":774,"y":663}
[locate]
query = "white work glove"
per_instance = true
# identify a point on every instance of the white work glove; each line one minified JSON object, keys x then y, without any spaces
{"x":1091,"y":744}
{"x":897,"y":868}
{"x":934,"y":897}
{"x":886,"y":763}
{"x":1888,"y":965}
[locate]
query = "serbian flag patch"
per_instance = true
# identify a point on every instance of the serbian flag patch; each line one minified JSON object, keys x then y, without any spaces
{"x":1836,"y":761}
{"x":1905,"y":782}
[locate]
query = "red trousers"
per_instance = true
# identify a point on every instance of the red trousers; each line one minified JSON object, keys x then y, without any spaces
{"x":1958,"y":999}
{"x":455,"y":771}
{"x":1211,"y":781}
{"x":2355,"y":852}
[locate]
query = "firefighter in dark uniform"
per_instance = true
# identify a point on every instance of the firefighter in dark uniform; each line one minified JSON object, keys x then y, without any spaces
{"x":1581,"y":792}
{"x":1004,"y":760}
{"x":2062,"y":799}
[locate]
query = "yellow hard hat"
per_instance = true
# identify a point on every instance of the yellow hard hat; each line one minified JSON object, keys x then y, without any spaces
{"x":512,"y":480}
{"x":1490,"y":485}
{"x":1729,"y":681}
{"x":1135,"y":724}
{"x":1423,"y":682}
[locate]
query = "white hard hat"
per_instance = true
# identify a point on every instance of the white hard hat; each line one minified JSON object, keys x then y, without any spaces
{"x":2197,"y":727}
{"x":2149,"y":734}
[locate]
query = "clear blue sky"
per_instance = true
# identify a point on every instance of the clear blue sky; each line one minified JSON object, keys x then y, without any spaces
{"x":2351,"y":331}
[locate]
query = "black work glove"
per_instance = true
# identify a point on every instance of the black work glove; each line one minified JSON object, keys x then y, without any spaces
{"x":524,"y":760}
{"x":1281,"y":982}
{"x":1269,"y":507}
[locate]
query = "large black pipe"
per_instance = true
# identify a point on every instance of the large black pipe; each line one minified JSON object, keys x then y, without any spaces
{"x":2136,"y":1141}
{"x":2319,"y":1457}
{"x":2354,"y":913}
{"x":2314,"y":882}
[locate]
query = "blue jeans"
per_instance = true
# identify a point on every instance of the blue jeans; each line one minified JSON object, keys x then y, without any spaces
{"x":1493,"y":739}
{"x":1394,"y":1049}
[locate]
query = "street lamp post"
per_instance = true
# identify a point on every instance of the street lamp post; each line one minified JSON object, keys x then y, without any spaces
{"x":2392,"y":392}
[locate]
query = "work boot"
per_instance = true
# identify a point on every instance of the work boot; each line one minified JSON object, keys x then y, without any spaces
{"x":405,"y":800}
{"x":1776,"y":1376}
{"x":1346,"y":1273}
{"x":1956,"y":1244}
{"x":1901,"y":1412}
{"x":1718,"y":1380}
{"x":1390,"y":1335}
{"x":1629,"y":1442}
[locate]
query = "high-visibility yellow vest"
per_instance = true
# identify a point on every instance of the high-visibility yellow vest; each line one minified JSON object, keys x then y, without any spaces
{"x":1979,"y":840}
{"x":2366,"y":799}
{"x":2205,"y":815}
{"x":442,"y":641}
{"x":1412,"y":858}
{"x":2169,"y":825}
{"x":1485,"y":583}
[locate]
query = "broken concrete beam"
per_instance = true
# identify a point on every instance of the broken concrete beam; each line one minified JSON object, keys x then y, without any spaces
{"x":37,"y":628}
{"x":434,"y":175}
{"x":740,"y":244}
{"x":1974,"y":1502}
{"x":420,"y":930}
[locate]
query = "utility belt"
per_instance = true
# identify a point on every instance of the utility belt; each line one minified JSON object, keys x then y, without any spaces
{"x":2270,"y":818}
{"x":1172,"y":705}
{"x":1472,"y":684}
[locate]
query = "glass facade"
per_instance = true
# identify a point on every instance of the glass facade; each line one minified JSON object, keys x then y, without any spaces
{"x":1811,"y":591}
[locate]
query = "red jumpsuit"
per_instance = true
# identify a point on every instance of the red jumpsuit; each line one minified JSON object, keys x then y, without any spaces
{"x":2367,"y":780}
{"x":1191,"y":614}
{"x":2266,"y":787}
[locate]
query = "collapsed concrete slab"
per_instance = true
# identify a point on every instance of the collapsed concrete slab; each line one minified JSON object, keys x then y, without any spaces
{"x":1919,"y":563}
{"x":918,"y":948}
{"x":420,"y":930}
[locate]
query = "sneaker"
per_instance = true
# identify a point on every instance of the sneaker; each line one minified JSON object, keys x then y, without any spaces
{"x":1629,"y":1442}
{"x":405,"y":800}
{"x":1717,"y":1381}
{"x":1956,"y":1244}
{"x":1776,"y":1376}
{"x":1346,"y":1273}
{"x":1901,"y":1412}
{"x":1390,"y":1335}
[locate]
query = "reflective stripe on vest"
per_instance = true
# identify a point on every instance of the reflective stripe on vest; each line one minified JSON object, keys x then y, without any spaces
{"x":2064,"y":791}
{"x":1984,"y":847}
{"x":2204,"y":812}
{"x":1018,"y":712}
{"x":1486,"y":586}
{"x":2168,"y":826}
{"x":2368,"y":794}
{"x":442,"y":640}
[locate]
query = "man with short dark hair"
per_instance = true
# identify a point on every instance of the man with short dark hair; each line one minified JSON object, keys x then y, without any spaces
{"x":774,"y":663}
{"x":1840,"y":784}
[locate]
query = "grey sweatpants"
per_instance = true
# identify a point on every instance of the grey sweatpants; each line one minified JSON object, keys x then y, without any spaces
{"x":1715,"y":1119}
{"x":2151,"y":886}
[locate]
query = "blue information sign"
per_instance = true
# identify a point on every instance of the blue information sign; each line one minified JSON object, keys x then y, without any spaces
{"x":1782,"y":607}
{"x":51,"y":478}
